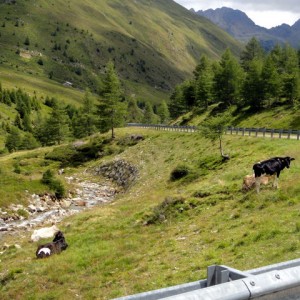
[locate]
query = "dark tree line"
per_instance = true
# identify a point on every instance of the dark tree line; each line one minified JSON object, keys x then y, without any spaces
{"x":255,"y":81}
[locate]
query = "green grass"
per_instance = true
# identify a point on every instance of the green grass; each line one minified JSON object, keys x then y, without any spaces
{"x":20,"y":174}
{"x":207,"y":220}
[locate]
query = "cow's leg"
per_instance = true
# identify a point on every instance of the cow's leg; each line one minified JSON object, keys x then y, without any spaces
{"x":257,"y":184}
{"x":276,"y":177}
{"x":275,"y":184}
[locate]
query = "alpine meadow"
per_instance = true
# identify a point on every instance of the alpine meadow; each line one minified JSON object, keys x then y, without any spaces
{"x":120,"y":169}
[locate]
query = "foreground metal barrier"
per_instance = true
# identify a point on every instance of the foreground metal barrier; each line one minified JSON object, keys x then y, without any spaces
{"x":278,"y":281}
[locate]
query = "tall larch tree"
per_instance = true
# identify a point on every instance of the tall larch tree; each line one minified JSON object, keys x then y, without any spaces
{"x":228,"y":80}
{"x":203,"y":83}
{"x":271,"y":81}
{"x":111,"y":107}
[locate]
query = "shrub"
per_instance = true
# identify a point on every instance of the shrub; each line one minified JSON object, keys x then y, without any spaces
{"x":58,"y":187}
{"x":169,"y":208}
{"x":54,"y":184}
{"x":40,"y":62}
{"x":47,"y":177}
{"x":17,"y":168}
{"x":179,"y":172}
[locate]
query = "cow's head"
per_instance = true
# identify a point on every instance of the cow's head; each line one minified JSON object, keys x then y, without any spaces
{"x":287,"y":161}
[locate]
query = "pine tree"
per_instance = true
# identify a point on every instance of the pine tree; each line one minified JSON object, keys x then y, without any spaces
{"x":84,"y":121}
{"x":271,"y":80}
{"x":135,"y":114}
{"x":214,"y":129}
{"x":203,"y":83}
{"x":111,"y":108}
{"x":182,"y":99}
{"x":228,"y":80}
{"x":163,"y":112}
{"x":253,"y":51}
{"x":149,"y":116}
{"x":13,"y":140}
{"x":290,"y":76}
{"x":253,"y":86}
{"x":55,"y":129}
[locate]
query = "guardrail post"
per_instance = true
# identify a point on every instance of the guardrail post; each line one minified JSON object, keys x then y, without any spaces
{"x":289,"y":134}
{"x":272,"y":133}
{"x":298,"y":135}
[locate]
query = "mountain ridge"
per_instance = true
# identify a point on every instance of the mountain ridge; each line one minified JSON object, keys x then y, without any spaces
{"x":241,"y":27}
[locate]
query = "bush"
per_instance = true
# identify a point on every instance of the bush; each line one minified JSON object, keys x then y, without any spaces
{"x":170,"y":207}
{"x":58,"y":187}
{"x":54,"y":184}
{"x":47,"y":177}
{"x":179,"y":172}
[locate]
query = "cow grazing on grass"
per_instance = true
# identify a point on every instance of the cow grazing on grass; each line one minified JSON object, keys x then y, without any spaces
{"x":272,"y":167}
{"x":249,"y":182}
{"x":43,"y":233}
{"x":56,"y":246}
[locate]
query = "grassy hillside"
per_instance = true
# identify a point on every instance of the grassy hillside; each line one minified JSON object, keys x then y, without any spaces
{"x":163,"y":232}
{"x":154,"y":45}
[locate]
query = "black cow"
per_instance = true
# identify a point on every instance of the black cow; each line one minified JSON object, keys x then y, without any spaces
{"x":56,"y":246}
{"x":272,"y":167}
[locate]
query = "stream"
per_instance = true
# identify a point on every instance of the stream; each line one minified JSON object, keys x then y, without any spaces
{"x":44,"y":210}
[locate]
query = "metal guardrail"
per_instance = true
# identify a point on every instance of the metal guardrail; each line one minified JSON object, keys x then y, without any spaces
{"x":265,"y":132}
{"x":244,"y":131}
{"x":164,"y":127}
{"x":278,"y":281}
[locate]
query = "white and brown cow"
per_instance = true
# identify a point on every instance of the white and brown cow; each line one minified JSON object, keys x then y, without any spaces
{"x":272,"y":166}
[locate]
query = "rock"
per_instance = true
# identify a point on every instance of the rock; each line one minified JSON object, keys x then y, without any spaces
{"x":66,"y":203}
{"x":80,"y":203}
{"x":31,"y":208}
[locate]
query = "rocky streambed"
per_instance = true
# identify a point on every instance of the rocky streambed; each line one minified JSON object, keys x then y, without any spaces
{"x":46,"y":209}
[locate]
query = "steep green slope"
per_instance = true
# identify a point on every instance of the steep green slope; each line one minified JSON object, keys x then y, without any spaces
{"x":154,"y":44}
{"x":163,"y":232}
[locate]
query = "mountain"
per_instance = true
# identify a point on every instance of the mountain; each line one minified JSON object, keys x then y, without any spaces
{"x":240,"y":26}
{"x":154,"y":44}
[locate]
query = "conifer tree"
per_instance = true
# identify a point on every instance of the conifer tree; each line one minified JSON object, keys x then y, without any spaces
{"x":253,"y":86}
{"x":111,"y":108}
{"x":163,"y":112}
{"x":84,"y":121}
{"x":203,"y":82}
{"x":270,"y":80}
{"x":228,"y":80}
{"x":252,"y":51}
{"x":149,"y":116}
{"x":135,"y":114}
{"x":290,"y":75}
{"x":13,"y":140}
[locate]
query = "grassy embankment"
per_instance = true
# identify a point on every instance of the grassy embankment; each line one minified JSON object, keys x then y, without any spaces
{"x":199,"y":220}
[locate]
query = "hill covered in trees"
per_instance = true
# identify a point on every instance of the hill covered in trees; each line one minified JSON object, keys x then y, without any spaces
{"x":255,"y":82}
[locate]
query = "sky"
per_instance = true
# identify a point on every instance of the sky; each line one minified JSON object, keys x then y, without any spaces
{"x":265,"y":13}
